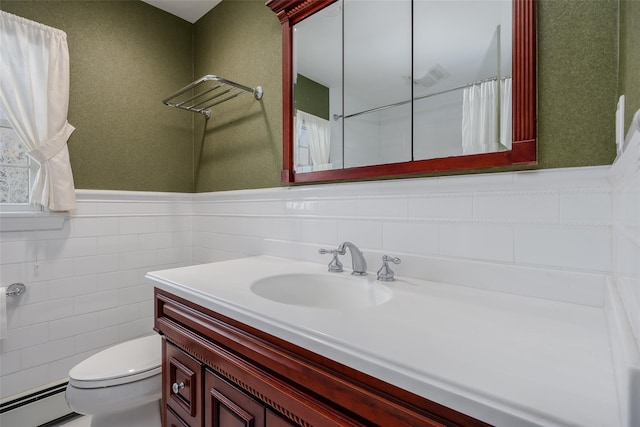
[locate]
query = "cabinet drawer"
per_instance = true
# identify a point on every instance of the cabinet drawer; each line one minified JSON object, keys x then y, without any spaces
{"x":182,"y":383}
{"x":227,"y":406}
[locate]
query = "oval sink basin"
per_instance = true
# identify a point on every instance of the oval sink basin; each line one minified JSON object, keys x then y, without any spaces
{"x":322,"y":291}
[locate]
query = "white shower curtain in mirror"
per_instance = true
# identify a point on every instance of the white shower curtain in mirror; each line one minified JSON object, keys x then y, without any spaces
{"x":317,"y":131}
{"x":34,"y":91}
{"x":481,"y":105}
{"x":479,"y":118}
{"x":506,"y":117}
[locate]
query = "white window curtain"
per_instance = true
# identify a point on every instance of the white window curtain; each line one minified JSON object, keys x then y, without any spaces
{"x":34,"y":91}
{"x":317,"y":135}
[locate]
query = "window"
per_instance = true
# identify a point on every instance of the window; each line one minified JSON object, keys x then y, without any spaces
{"x":17,"y":173}
{"x":16,"y":168}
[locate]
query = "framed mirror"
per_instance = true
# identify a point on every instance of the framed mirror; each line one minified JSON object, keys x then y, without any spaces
{"x":392,"y":88}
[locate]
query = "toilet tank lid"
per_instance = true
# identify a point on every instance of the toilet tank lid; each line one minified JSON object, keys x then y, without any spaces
{"x":121,"y":360}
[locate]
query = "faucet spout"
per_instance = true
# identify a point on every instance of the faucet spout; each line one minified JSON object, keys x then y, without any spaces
{"x":359,"y":264}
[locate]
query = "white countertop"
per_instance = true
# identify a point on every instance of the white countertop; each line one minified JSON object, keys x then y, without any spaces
{"x":505,"y":359}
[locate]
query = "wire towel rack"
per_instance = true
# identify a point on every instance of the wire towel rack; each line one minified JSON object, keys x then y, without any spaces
{"x":210,"y":94}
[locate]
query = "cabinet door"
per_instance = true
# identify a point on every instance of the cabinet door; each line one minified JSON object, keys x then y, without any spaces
{"x":227,"y":406}
{"x":173,"y":420}
{"x":182,"y":382}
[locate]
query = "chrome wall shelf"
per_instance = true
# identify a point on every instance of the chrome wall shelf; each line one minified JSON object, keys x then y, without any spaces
{"x":209,"y":91}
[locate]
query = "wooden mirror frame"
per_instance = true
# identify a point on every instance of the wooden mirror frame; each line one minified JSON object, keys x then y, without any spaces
{"x":523,"y":149}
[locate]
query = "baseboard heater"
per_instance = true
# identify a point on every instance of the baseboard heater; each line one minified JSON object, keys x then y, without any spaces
{"x":38,"y":408}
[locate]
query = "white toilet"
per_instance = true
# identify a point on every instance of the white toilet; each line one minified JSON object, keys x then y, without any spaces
{"x":121,"y":385}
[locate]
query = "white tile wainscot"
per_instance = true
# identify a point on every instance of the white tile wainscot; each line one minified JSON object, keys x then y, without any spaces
{"x":623,"y":302}
{"x":85,"y":286}
{"x":540,"y":233}
{"x":549,"y":234}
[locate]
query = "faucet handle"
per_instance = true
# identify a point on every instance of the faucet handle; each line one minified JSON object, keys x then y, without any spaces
{"x":335,"y":266}
{"x":385,"y":274}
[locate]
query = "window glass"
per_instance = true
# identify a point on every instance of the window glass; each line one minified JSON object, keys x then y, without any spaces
{"x":15,"y":166}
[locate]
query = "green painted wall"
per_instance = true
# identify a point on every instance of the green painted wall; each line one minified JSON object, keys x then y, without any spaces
{"x":125,"y":57}
{"x":629,"y":84}
{"x":242,"y":146}
{"x":311,"y":97}
{"x":577,"y":88}
{"x":577,"y":82}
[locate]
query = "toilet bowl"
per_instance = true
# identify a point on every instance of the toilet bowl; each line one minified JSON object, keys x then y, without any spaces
{"x":119,"y":386}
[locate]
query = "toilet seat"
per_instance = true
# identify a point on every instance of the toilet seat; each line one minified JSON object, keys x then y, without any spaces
{"x":124,"y":363}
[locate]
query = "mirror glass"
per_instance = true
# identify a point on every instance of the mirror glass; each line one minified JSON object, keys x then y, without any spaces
{"x":317,"y":91}
{"x":461,"y":77}
{"x":377,"y":82}
{"x":395,"y":81}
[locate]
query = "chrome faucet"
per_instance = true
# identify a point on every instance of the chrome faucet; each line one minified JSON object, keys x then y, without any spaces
{"x":358,"y":263}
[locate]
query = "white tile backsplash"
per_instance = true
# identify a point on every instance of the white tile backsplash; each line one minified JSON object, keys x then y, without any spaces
{"x":581,"y":248}
{"x":339,"y":207}
{"x":591,"y":206}
{"x":477,"y":241}
{"x":382,"y":207}
{"x":441,"y":206}
{"x":411,"y":237}
{"x":519,"y":232}
{"x":520,"y":207}
{"x":625,"y":179}
{"x":323,"y":232}
{"x":368,"y":233}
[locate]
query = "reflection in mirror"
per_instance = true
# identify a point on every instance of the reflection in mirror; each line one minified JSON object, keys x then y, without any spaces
{"x":377,"y":76}
{"x":317,"y":93}
{"x":462,"y":77}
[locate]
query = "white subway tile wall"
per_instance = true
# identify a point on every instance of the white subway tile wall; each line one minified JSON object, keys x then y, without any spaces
{"x":553,"y":226}
{"x":544,"y":233}
{"x":86,"y":286}
{"x":625,"y":178}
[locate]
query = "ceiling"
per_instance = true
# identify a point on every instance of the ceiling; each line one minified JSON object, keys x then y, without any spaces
{"x":189,"y":10}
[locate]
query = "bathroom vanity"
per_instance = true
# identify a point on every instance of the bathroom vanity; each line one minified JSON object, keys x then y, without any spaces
{"x":414,"y":353}
{"x":229,"y":374}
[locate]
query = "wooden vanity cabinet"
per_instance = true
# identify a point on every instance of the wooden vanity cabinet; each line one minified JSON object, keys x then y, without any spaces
{"x":218,"y":372}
